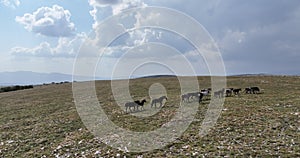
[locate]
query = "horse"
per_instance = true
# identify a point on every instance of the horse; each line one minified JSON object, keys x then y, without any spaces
{"x":188,"y":96}
{"x":254,"y":90}
{"x":205,"y":92}
{"x":158,"y":100}
{"x":220,"y":93}
{"x":228,"y":92}
{"x":185,"y":98}
{"x":193,"y":95}
{"x":200,"y":96}
{"x":247,"y":90}
{"x":129,"y":105}
{"x":140,"y":104}
{"x":236,"y":91}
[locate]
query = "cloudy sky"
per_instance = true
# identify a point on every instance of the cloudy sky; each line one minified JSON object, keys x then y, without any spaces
{"x":46,"y":36}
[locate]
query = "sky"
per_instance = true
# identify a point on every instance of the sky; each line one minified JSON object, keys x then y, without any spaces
{"x":50,"y":36}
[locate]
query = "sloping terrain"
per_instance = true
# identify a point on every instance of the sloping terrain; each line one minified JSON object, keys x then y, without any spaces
{"x":43,"y":121}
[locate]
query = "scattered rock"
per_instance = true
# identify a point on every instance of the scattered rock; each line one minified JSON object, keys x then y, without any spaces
{"x":97,"y":152}
{"x":195,"y":153}
{"x":186,"y":147}
{"x":118,"y":155}
{"x":59,"y":147}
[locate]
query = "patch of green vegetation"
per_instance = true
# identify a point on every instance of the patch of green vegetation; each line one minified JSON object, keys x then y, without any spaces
{"x":14,"y":88}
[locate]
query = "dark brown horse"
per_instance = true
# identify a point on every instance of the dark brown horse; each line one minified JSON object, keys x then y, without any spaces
{"x":140,"y":104}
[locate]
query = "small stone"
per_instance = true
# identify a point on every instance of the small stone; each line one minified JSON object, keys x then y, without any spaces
{"x":97,"y":152}
{"x":185,"y":147}
{"x":59,"y":147}
{"x":195,"y":153}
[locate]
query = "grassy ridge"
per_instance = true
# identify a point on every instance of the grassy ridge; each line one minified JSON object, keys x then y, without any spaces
{"x":43,"y":121}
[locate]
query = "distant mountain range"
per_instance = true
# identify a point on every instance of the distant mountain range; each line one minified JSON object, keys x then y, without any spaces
{"x":155,"y":76}
{"x":28,"y":78}
{"x":259,"y":74}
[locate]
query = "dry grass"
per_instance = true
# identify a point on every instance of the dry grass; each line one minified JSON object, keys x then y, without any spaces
{"x":43,"y":121}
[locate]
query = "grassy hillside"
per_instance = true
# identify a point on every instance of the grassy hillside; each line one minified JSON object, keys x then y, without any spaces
{"x":43,"y":121}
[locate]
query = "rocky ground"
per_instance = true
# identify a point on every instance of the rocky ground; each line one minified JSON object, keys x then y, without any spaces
{"x":43,"y":121}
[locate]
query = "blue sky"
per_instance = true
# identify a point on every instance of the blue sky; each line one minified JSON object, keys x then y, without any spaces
{"x":15,"y":35}
{"x":253,"y":36}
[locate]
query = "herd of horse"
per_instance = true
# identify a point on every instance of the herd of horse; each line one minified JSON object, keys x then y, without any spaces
{"x":236,"y":91}
{"x":192,"y":96}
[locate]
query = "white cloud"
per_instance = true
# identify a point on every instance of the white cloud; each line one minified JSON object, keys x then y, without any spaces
{"x":127,"y":4}
{"x":104,"y":8}
{"x":102,"y":3}
{"x":41,"y":50}
{"x":117,"y":5}
{"x":11,"y":3}
{"x":55,"y":21}
{"x":247,"y":32}
{"x":66,"y":47}
{"x":100,"y":13}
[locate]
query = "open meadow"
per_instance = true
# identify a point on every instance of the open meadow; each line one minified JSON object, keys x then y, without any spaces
{"x":43,"y":121}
